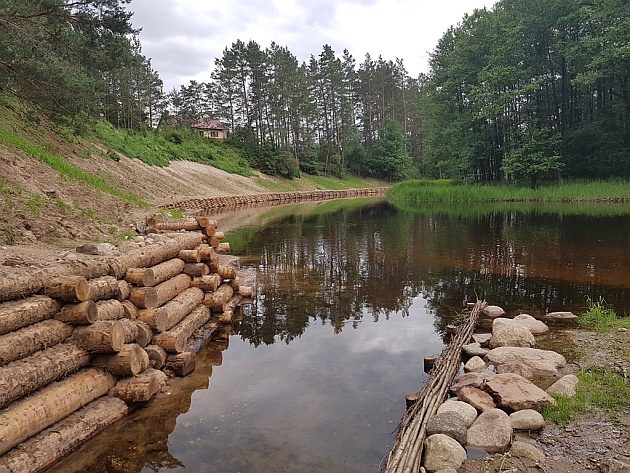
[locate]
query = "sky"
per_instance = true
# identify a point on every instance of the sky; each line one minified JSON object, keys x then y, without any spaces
{"x":182,"y":37}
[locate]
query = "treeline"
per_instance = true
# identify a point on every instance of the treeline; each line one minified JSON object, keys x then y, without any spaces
{"x":531,"y":90}
{"x":327,"y":115}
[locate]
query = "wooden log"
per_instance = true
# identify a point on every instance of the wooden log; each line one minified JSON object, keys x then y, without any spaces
{"x":28,"y":340}
{"x":205,"y":222}
{"x":189,"y":224}
{"x":105,"y":287}
{"x":214,"y":241}
{"x":227,"y":272}
{"x":189,"y":256}
{"x":196,"y":269}
{"x":140,"y":276}
{"x":157,"y":356}
{"x":174,"y":340}
{"x":52,"y":444}
{"x":143,"y":297}
{"x":181,"y":364}
{"x":206,"y":252}
{"x":144,"y":361}
{"x":223,"y":247}
{"x":83,"y":313}
{"x":201,"y":337}
{"x":124,"y":289}
{"x":130,"y":330}
{"x":245,"y":292}
{"x":145,"y":334}
{"x":182,"y":305}
{"x":429,"y":361}
{"x":31,"y":415}
{"x":217,"y":299}
{"x":110,"y":310}
{"x":153,"y":255}
{"x":226,"y":316}
{"x":140,"y":388}
{"x":106,"y":336}
{"x":22,"y":377}
{"x":210,"y":231}
{"x":24,"y":312}
{"x":169,"y":289}
{"x":208,"y":283}
{"x":156,"y":318}
{"x":154,"y":275}
{"x":68,"y":288}
{"x":236,"y":284}
{"x":131,"y":311}
{"x":151,"y":221}
{"x":411,"y":399}
{"x":127,"y":362}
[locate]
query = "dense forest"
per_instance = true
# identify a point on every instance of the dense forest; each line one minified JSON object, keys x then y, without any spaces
{"x":522,"y":91}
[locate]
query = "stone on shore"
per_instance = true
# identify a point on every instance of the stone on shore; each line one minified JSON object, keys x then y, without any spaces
{"x":528,"y":362}
{"x":527,"y":419}
{"x":565,"y":386}
{"x":511,"y":335}
{"x":448,"y":423}
{"x":526,"y":451}
{"x":468,"y":412}
{"x":491,"y":431}
{"x":483,"y":339}
{"x":477,"y":398}
{"x":513,"y":392}
{"x":468,"y":379}
{"x":535,"y":326}
{"x":475,"y":365}
{"x":493,"y":311}
{"x":474,"y":349}
{"x":560,"y":317}
{"x":441,"y":452}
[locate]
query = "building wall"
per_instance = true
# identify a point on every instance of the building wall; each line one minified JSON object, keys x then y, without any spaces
{"x":215,"y":134}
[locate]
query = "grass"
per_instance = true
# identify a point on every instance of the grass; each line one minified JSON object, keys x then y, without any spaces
{"x":596,"y":389}
{"x":66,"y":168}
{"x":36,"y":204}
{"x":599,"y":316}
{"x":416,"y":192}
{"x":310,"y":181}
{"x":160,"y":148}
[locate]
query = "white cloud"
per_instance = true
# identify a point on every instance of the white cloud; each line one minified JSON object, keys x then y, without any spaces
{"x":184,"y":36}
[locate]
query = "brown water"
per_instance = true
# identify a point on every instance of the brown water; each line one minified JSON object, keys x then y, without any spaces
{"x":351,"y":297}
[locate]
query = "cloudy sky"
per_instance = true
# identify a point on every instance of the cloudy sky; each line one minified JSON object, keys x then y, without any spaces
{"x":184,"y":36}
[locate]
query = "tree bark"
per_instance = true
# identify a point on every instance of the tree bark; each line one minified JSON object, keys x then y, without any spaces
{"x":101,"y":337}
{"x":175,"y":339}
{"x":223,"y":247}
{"x":189,"y":256}
{"x":182,"y":305}
{"x":181,"y":364}
{"x":196,"y":269}
{"x":110,"y":310}
{"x":24,"y":312}
{"x":131,"y":311}
{"x":169,"y":289}
{"x":145,"y":334}
{"x":28,"y":340}
{"x":140,"y":388}
{"x":144,"y":297}
{"x":189,"y":225}
{"x":31,"y":415}
{"x":83,"y":313}
{"x":68,"y":288}
{"x":217,"y":299}
{"x":208,"y":283}
{"x":105,"y":287}
{"x":227,"y":272}
{"x":154,"y":275}
{"x":127,"y":362}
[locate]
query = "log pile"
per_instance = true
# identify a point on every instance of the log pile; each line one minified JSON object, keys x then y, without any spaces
{"x":80,"y":342}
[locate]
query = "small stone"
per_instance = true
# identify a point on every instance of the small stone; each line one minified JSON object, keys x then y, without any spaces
{"x":477,"y":398}
{"x":483,"y":339}
{"x":511,"y":335}
{"x":466,"y":411}
{"x":139,"y":239}
{"x":87,"y":249}
{"x":527,"y":419}
{"x":493,"y":311}
{"x":623,"y":329}
{"x":565,"y":386}
{"x":513,"y":392}
{"x":527,"y":451}
{"x":475,"y":364}
{"x":474,"y":349}
{"x":448,"y":423}
{"x":491,"y":431}
{"x":441,"y":451}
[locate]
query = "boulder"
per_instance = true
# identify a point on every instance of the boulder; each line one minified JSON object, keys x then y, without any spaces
{"x":527,"y":419}
{"x":475,"y":364}
{"x":105,"y":248}
{"x":87,"y":249}
{"x":448,"y":423}
{"x":611,"y":465}
{"x":535,"y":326}
{"x":511,"y":335}
{"x":493,"y":311}
{"x":468,"y":379}
{"x":491,"y":431}
{"x":466,"y":411}
{"x":477,"y":398}
{"x":560,"y":317}
{"x":441,"y":452}
{"x":526,"y":451}
{"x":565,"y":386}
{"x":515,"y":393}
{"x":482,"y":338}
{"x":474,"y":349}
{"x":528,"y":362}
{"x":500,"y":322}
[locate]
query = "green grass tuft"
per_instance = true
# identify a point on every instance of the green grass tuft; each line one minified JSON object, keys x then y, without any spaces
{"x":36,"y":204}
{"x":601,"y":317}
{"x":596,"y":389}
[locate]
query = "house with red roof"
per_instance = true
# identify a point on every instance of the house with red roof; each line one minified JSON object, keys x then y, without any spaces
{"x":211,"y":128}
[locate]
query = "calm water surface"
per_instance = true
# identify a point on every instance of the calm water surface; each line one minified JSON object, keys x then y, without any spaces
{"x":351,"y":296}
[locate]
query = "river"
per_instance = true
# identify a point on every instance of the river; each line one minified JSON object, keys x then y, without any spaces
{"x":351,"y":296}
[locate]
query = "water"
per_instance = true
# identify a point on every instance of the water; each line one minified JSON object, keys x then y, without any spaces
{"x":351,"y":297}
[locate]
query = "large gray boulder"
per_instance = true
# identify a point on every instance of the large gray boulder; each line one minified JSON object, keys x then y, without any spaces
{"x":477,"y":398}
{"x":448,"y":423}
{"x":468,"y":379}
{"x":511,"y":335}
{"x":468,"y":412}
{"x":535,"y":326}
{"x":565,"y":386}
{"x":474,"y":349}
{"x":515,"y":393}
{"x":528,"y":362}
{"x":482,"y":338}
{"x":491,"y":431}
{"x":560,"y":318}
{"x":493,"y":311}
{"x":527,"y":419}
{"x":441,"y":452}
{"x":526,"y":451}
{"x":475,"y":365}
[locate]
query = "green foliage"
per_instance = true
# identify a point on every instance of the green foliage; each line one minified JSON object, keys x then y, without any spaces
{"x":388,"y":158}
{"x":36,"y":204}
{"x":596,"y":389}
{"x":601,"y":317}
{"x":172,"y":213}
{"x":65,"y":168}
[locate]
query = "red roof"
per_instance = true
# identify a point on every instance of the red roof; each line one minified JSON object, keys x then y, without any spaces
{"x":209,"y":124}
